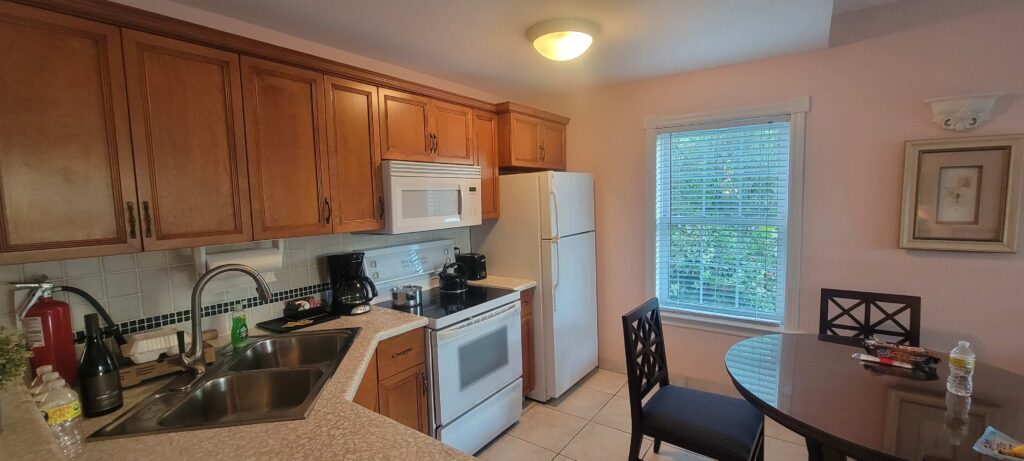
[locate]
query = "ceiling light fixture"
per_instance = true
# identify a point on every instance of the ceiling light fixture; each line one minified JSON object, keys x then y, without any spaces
{"x":562,"y":39}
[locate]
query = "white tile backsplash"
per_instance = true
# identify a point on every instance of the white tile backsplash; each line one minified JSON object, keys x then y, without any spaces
{"x":155,"y":280}
{"x":159,"y":282}
{"x":82,"y":267}
{"x":121,"y":284}
{"x":118,"y":263}
{"x":50,"y":270}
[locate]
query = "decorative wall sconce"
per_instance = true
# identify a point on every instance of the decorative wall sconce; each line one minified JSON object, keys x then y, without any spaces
{"x":961,"y":113}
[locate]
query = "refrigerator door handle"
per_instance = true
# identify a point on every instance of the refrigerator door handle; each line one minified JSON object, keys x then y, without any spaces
{"x":555,"y":273}
{"x":554,"y":216}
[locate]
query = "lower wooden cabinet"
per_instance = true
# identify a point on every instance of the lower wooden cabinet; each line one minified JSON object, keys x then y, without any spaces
{"x":395,"y":382}
{"x":403,"y":397}
{"x":526,"y":314}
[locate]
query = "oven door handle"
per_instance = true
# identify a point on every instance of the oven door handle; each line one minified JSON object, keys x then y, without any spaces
{"x":495,"y":316}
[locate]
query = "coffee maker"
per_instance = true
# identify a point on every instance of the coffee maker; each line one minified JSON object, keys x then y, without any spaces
{"x":352,"y":290}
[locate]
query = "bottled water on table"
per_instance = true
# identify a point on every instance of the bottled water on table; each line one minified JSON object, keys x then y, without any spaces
{"x":63,"y":413}
{"x":961,"y":369}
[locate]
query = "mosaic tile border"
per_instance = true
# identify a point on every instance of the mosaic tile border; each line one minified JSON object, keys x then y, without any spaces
{"x":162,"y":320}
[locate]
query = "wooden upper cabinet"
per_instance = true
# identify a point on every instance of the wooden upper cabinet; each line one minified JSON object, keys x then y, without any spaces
{"x":552,"y":145}
{"x":405,"y":126}
{"x":67,"y":186}
{"x":524,"y":141}
{"x":485,"y":131}
{"x":529,"y":138}
{"x":286,"y":137}
{"x":453,"y":133}
{"x":353,"y":152}
{"x":189,"y":142}
{"x":420,"y":129}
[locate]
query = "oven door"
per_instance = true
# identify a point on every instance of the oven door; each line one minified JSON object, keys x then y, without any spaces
{"x":475,"y":359}
{"x":421,"y":203}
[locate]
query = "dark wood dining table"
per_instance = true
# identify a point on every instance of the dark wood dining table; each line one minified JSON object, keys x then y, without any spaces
{"x":813,"y":386}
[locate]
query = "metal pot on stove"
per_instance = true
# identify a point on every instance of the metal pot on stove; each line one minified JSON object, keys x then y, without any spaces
{"x":452,"y":278}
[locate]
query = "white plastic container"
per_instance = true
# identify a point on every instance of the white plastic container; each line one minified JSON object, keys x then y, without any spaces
{"x":147,"y":346}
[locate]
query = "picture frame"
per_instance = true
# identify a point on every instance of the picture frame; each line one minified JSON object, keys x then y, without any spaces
{"x":962,"y":194}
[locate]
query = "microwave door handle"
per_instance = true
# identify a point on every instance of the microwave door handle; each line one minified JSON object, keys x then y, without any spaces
{"x":462,"y":199}
{"x":492,"y":317}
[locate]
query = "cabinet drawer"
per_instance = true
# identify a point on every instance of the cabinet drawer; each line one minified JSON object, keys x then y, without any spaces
{"x":399,"y":353}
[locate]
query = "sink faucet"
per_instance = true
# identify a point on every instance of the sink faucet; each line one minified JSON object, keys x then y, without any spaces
{"x":194,"y":359}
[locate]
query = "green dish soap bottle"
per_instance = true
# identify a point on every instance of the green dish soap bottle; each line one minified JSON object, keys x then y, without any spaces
{"x":239,"y":327}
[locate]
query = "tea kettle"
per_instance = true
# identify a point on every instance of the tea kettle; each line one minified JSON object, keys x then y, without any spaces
{"x":452,"y":278}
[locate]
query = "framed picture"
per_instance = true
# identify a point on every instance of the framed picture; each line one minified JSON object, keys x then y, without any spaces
{"x":962,"y":194}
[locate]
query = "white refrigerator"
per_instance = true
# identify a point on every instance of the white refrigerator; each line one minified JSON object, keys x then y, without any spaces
{"x":546,"y":233}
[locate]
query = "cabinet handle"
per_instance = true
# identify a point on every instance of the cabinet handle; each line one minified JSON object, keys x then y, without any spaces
{"x":131,"y":220}
{"x":380,"y":202}
{"x":146,"y":219}
{"x":423,"y":376}
{"x":399,"y":354}
{"x":542,"y":153}
{"x":433,"y":144}
{"x":328,"y":211}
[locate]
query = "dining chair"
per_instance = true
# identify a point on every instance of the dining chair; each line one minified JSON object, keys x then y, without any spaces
{"x":856,"y":315}
{"x":713,"y":425}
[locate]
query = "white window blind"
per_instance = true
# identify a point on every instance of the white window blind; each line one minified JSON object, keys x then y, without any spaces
{"x":722,"y":211}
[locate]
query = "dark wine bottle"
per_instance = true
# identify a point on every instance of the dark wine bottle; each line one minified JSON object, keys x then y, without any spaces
{"x":98,"y":374}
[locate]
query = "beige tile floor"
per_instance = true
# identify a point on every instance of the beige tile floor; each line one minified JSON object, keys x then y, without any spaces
{"x":591,"y":423}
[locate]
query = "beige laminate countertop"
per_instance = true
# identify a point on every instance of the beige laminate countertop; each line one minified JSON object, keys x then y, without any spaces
{"x":336,"y":428}
{"x":508,"y":283}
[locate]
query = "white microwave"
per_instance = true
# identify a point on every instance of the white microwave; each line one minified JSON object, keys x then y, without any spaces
{"x":428,"y":196}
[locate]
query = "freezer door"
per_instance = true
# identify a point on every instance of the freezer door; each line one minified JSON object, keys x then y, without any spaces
{"x":570,"y":311}
{"x":567,"y":204}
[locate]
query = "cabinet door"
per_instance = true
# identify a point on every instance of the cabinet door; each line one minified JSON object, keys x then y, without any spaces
{"x":552,"y":145}
{"x":354,"y":156}
{"x":485,"y":134}
{"x":285,"y":135}
{"x":67,"y":186}
{"x":524,"y":141}
{"x":366,"y":394}
{"x":403,"y":397}
{"x":405,"y":127}
{"x":453,"y":131}
{"x":189,"y":140}
{"x":527,"y":337}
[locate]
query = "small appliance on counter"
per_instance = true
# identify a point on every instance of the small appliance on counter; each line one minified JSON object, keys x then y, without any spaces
{"x":452,"y":278}
{"x":475,"y":264}
{"x":352,"y":290}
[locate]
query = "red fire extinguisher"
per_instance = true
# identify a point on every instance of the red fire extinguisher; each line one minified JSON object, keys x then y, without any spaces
{"x":47,"y":326}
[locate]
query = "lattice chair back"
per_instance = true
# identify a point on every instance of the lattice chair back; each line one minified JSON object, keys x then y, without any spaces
{"x":852,"y":316}
{"x":645,"y":353}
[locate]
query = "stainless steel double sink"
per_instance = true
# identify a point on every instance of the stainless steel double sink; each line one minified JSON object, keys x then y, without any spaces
{"x":274,"y":378}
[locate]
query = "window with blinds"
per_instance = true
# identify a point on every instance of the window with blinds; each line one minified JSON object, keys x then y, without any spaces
{"x":722,"y":202}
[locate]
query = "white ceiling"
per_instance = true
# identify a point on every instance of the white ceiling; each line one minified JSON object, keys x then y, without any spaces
{"x":481,"y":43}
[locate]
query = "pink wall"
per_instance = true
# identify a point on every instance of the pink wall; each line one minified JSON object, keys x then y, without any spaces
{"x":866,"y":102}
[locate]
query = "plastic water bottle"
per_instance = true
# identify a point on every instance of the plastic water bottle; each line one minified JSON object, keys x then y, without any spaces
{"x":63,"y":413}
{"x":39,"y":392}
{"x":961,"y":369}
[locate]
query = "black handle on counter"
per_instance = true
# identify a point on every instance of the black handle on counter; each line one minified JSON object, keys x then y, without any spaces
{"x":181,"y":342}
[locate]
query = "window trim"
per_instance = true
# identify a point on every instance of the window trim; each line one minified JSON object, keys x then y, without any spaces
{"x":796,"y":109}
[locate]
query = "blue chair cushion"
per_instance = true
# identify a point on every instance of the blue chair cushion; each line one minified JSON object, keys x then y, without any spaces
{"x":712,"y":425}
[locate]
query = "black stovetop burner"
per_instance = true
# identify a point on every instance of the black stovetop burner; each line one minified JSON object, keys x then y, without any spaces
{"x":437,"y":304}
